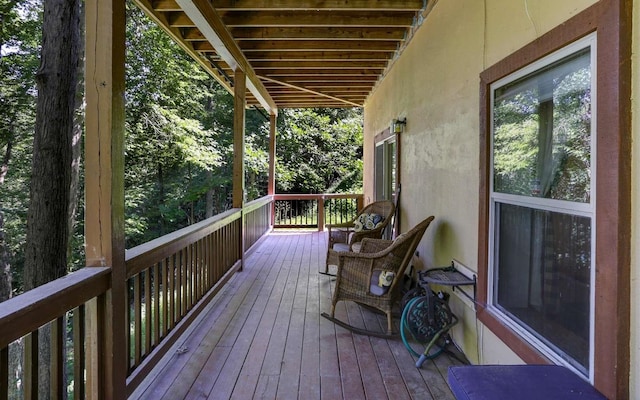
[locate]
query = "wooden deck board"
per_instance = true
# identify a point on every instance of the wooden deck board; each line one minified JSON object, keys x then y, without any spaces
{"x":262,"y":337}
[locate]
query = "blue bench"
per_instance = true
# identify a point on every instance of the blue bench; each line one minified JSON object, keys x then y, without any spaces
{"x":521,"y":382}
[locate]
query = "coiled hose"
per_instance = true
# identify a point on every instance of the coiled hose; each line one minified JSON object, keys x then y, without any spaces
{"x":422,"y":329}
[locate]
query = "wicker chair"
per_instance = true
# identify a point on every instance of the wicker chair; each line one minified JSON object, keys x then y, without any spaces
{"x":343,"y":237}
{"x":358,"y":273}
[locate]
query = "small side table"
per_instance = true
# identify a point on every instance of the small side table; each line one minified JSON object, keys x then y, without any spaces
{"x":448,"y":276}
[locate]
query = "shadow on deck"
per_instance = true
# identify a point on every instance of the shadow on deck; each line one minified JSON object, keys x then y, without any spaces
{"x":262,"y":337}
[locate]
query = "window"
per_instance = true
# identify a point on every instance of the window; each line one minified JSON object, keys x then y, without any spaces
{"x":542,"y":203}
{"x":385,"y":170}
{"x":387,"y":173}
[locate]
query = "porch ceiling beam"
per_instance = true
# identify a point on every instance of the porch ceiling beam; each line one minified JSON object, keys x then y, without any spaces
{"x":331,"y":55}
{"x":319,"y":45}
{"x":406,"y":5}
{"x":212,"y":27}
{"x":316,"y":33}
{"x":276,"y":90}
{"x":300,"y":18}
{"x":397,"y":5}
{"x":321,"y":72}
{"x":320,"y":17}
{"x":392,"y":33}
{"x":328,"y":78}
{"x":303,"y":65}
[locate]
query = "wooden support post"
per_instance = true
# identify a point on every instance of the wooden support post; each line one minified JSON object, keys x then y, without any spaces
{"x":271,"y":186}
{"x":107,"y":352}
{"x":320,"y":213}
{"x":239,"y":104}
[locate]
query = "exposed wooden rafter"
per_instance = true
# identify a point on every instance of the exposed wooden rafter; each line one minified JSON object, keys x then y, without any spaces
{"x":299,"y":53}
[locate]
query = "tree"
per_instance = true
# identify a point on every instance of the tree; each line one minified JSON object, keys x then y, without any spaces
{"x":319,"y":151}
{"x":57,"y":79}
{"x":47,"y":217}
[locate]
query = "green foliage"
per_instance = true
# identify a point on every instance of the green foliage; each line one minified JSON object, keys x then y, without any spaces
{"x":20,"y":34}
{"x":319,"y":150}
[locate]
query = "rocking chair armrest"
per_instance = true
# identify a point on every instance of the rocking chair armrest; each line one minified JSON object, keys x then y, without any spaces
{"x":367,"y":233}
{"x":372,"y":245}
{"x":354,"y":273}
{"x":349,"y":224}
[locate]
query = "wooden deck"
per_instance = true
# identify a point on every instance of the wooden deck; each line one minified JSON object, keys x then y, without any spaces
{"x":263,"y":338}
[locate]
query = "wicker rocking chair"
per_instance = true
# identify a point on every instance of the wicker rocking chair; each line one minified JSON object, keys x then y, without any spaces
{"x":359,"y":275}
{"x":343,"y":237}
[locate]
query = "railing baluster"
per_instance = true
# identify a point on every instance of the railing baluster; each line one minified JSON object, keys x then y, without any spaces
{"x":188,"y":277}
{"x":156,"y":304}
{"x":177,"y":290}
{"x":57,"y":358}
{"x":148,"y":321}
{"x":78,"y":352}
{"x":209,"y":261}
{"x":137,"y":320}
{"x":4,"y":373}
{"x":166,"y":293}
{"x":184,"y":283}
{"x":129,"y":317}
{"x":31,"y":366}
{"x":202,"y":275}
{"x":196,"y":272}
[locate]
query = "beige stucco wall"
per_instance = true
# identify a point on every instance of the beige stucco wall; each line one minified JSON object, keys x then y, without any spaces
{"x":635,"y":205}
{"x":435,"y":85}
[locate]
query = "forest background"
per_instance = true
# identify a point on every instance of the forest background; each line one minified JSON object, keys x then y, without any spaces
{"x":179,"y":137}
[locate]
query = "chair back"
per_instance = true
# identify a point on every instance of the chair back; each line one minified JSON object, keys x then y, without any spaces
{"x":402,"y":250}
{"x":384,"y":208}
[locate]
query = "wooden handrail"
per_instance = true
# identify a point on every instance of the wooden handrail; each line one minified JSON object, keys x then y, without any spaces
{"x":257,"y":203}
{"x":141,"y":257}
{"x":290,"y":196}
{"x":31,"y":310}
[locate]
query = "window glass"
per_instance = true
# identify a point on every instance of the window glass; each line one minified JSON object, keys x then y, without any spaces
{"x":544,"y":274}
{"x":542,"y":125}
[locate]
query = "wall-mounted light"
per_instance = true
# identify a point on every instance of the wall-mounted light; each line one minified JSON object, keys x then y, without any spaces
{"x":397,"y":125}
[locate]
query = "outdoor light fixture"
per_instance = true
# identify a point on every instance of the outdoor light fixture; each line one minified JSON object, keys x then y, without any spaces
{"x":397,"y":125}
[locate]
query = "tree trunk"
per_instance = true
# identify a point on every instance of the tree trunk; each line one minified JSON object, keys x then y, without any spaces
{"x":5,"y":259}
{"x":47,"y":218}
{"x":47,"y":223}
{"x":5,"y":265}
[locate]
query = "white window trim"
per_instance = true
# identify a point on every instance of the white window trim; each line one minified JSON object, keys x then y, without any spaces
{"x":567,"y":207}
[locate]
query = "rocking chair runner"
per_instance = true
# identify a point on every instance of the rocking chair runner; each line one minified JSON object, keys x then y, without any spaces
{"x":358,"y":273}
{"x":342,"y":237}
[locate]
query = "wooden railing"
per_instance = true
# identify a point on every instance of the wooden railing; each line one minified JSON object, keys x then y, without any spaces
{"x":61,"y":305}
{"x":169,"y":280}
{"x":257,"y":220}
{"x":301,"y":210}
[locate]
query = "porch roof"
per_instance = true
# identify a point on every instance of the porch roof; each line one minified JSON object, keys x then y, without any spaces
{"x":295,"y":53}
